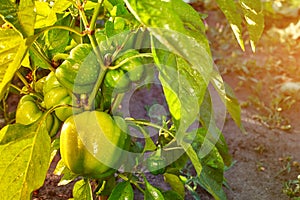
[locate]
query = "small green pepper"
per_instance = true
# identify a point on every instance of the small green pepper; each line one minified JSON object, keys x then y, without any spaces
{"x":29,"y":111}
{"x":156,"y":163}
{"x":117,"y":80}
{"x":80,"y":70}
{"x":134,"y":67}
{"x":55,"y":94}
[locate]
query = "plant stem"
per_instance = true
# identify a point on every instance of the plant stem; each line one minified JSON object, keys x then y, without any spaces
{"x":32,"y":39}
{"x":16,"y":88}
{"x":125,"y":178}
{"x":90,"y":29}
{"x":95,"y":15}
{"x":146,"y":123}
{"x":130,"y":58}
{"x":21,"y":77}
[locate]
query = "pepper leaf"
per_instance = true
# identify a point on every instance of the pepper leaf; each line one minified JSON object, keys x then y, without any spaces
{"x":151,"y":192}
{"x":211,"y":177}
{"x":184,"y":95}
{"x":122,"y":191}
{"x":172,"y":195}
{"x":12,"y":52}
{"x":175,"y":183}
{"x":229,"y":99}
{"x":213,"y":135}
{"x":82,"y":190}
{"x":184,"y":77}
{"x":175,"y":30}
{"x":230,"y":11}
{"x":24,"y":159}
{"x":22,"y":16}
{"x":253,"y":14}
{"x":44,"y":15}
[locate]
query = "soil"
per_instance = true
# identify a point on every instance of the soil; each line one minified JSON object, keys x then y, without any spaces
{"x":264,"y":158}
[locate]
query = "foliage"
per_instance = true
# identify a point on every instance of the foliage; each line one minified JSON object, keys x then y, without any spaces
{"x":251,"y":11}
{"x":292,"y":188}
{"x":270,"y":75}
{"x":64,"y":51}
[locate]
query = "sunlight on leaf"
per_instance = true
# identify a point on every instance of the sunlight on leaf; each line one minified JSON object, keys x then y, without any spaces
{"x":229,"y":9}
{"x":24,"y":159}
{"x":192,"y":70}
{"x":254,"y":17}
{"x":123,"y":190}
{"x":45,"y":16}
{"x":82,"y":190}
{"x":151,"y":192}
{"x":227,"y":96}
{"x":211,"y":177}
{"x":26,"y":16}
{"x":175,"y":183}
{"x":12,"y":52}
{"x":22,"y":16}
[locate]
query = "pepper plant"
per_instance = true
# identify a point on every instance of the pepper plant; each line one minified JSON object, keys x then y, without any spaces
{"x":76,"y":61}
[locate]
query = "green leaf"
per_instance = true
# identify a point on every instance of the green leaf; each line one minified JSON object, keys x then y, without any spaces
{"x":9,"y":12}
{"x":151,"y":192}
{"x":12,"y":52}
{"x":211,"y":177}
{"x":175,"y":31}
{"x":185,"y":95}
{"x":36,"y":61}
{"x":61,"y":5}
{"x":82,"y":190}
{"x":228,"y":97}
{"x":45,"y":16}
{"x":107,"y":186}
{"x":153,"y":13}
{"x":177,"y":34}
{"x":230,"y":11}
{"x":122,"y":191}
{"x":175,"y":183}
{"x":26,"y":16}
{"x":89,"y":5}
{"x":180,"y":162}
{"x":149,"y":144}
{"x":192,"y":22}
{"x":60,"y":166}
{"x":119,"y":10}
{"x":189,"y":16}
{"x":253,"y":14}
{"x":213,"y":134}
{"x":22,"y":17}
{"x":114,"y":2}
{"x":192,"y":154}
{"x":172,"y":195}
{"x":68,"y":175}
{"x":24,"y":159}
{"x":46,"y":12}
{"x":57,"y":40}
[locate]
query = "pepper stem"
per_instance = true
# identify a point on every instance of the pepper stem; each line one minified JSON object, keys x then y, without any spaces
{"x":90,"y":29}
